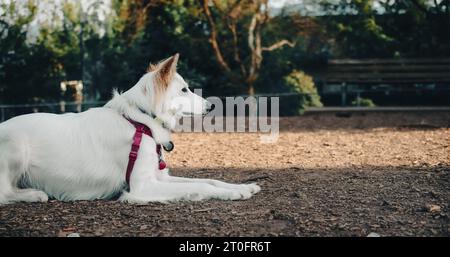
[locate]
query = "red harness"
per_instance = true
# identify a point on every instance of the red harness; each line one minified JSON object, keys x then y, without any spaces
{"x":137,"y":138}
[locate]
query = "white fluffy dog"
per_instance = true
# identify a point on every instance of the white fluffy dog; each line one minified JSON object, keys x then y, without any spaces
{"x":84,"y":156}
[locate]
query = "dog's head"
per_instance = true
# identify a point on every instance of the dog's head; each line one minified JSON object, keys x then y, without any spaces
{"x":171,"y":94}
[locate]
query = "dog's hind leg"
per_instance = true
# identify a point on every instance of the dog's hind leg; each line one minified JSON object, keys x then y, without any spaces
{"x":9,"y":193}
{"x":28,"y":195}
{"x":5,"y":183}
{"x":13,"y":163}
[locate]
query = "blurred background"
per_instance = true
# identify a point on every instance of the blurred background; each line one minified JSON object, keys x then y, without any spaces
{"x":67,"y":55}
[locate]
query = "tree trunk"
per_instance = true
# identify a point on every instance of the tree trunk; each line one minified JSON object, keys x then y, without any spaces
{"x":251,"y":89}
{"x":260,"y":17}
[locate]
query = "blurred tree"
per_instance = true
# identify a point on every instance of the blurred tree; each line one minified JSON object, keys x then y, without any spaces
{"x":27,"y":71}
{"x":113,"y":58}
{"x":132,"y":17}
{"x":310,"y":51}
{"x":419,"y":28}
{"x":386,"y":29}
{"x":254,"y":16}
{"x":355,"y":29}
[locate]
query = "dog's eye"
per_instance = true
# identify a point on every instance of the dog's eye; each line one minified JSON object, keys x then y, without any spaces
{"x":184,"y":89}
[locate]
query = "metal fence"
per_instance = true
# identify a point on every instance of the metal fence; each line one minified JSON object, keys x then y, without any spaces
{"x":289,"y":103}
{"x":9,"y":111}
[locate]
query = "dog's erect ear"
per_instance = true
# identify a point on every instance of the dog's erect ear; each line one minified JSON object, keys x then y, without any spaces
{"x":165,"y":71}
{"x":169,"y":67}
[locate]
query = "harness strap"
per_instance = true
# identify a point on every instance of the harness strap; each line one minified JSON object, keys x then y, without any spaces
{"x":137,"y":138}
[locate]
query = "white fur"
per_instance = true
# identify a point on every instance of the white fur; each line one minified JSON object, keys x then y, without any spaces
{"x":84,"y":156}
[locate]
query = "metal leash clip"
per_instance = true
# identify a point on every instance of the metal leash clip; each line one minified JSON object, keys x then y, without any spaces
{"x":168,"y":147}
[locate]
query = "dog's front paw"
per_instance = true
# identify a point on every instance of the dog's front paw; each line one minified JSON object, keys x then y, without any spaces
{"x":254,"y":188}
{"x":238,"y":195}
{"x":244,"y":194}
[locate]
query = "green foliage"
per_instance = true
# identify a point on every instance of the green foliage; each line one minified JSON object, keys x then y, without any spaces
{"x":404,"y":29}
{"x":303,"y":84}
{"x":365,"y":102}
{"x":358,"y":34}
{"x":27,"y":71}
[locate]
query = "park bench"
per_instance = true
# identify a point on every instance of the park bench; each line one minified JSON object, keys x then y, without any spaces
{"x":361,"y":75}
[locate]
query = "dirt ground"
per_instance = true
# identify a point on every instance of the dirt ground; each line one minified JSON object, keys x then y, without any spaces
{"x":328,"y":175}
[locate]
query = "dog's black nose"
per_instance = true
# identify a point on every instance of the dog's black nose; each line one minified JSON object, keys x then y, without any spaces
{"x":211,"y":107}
